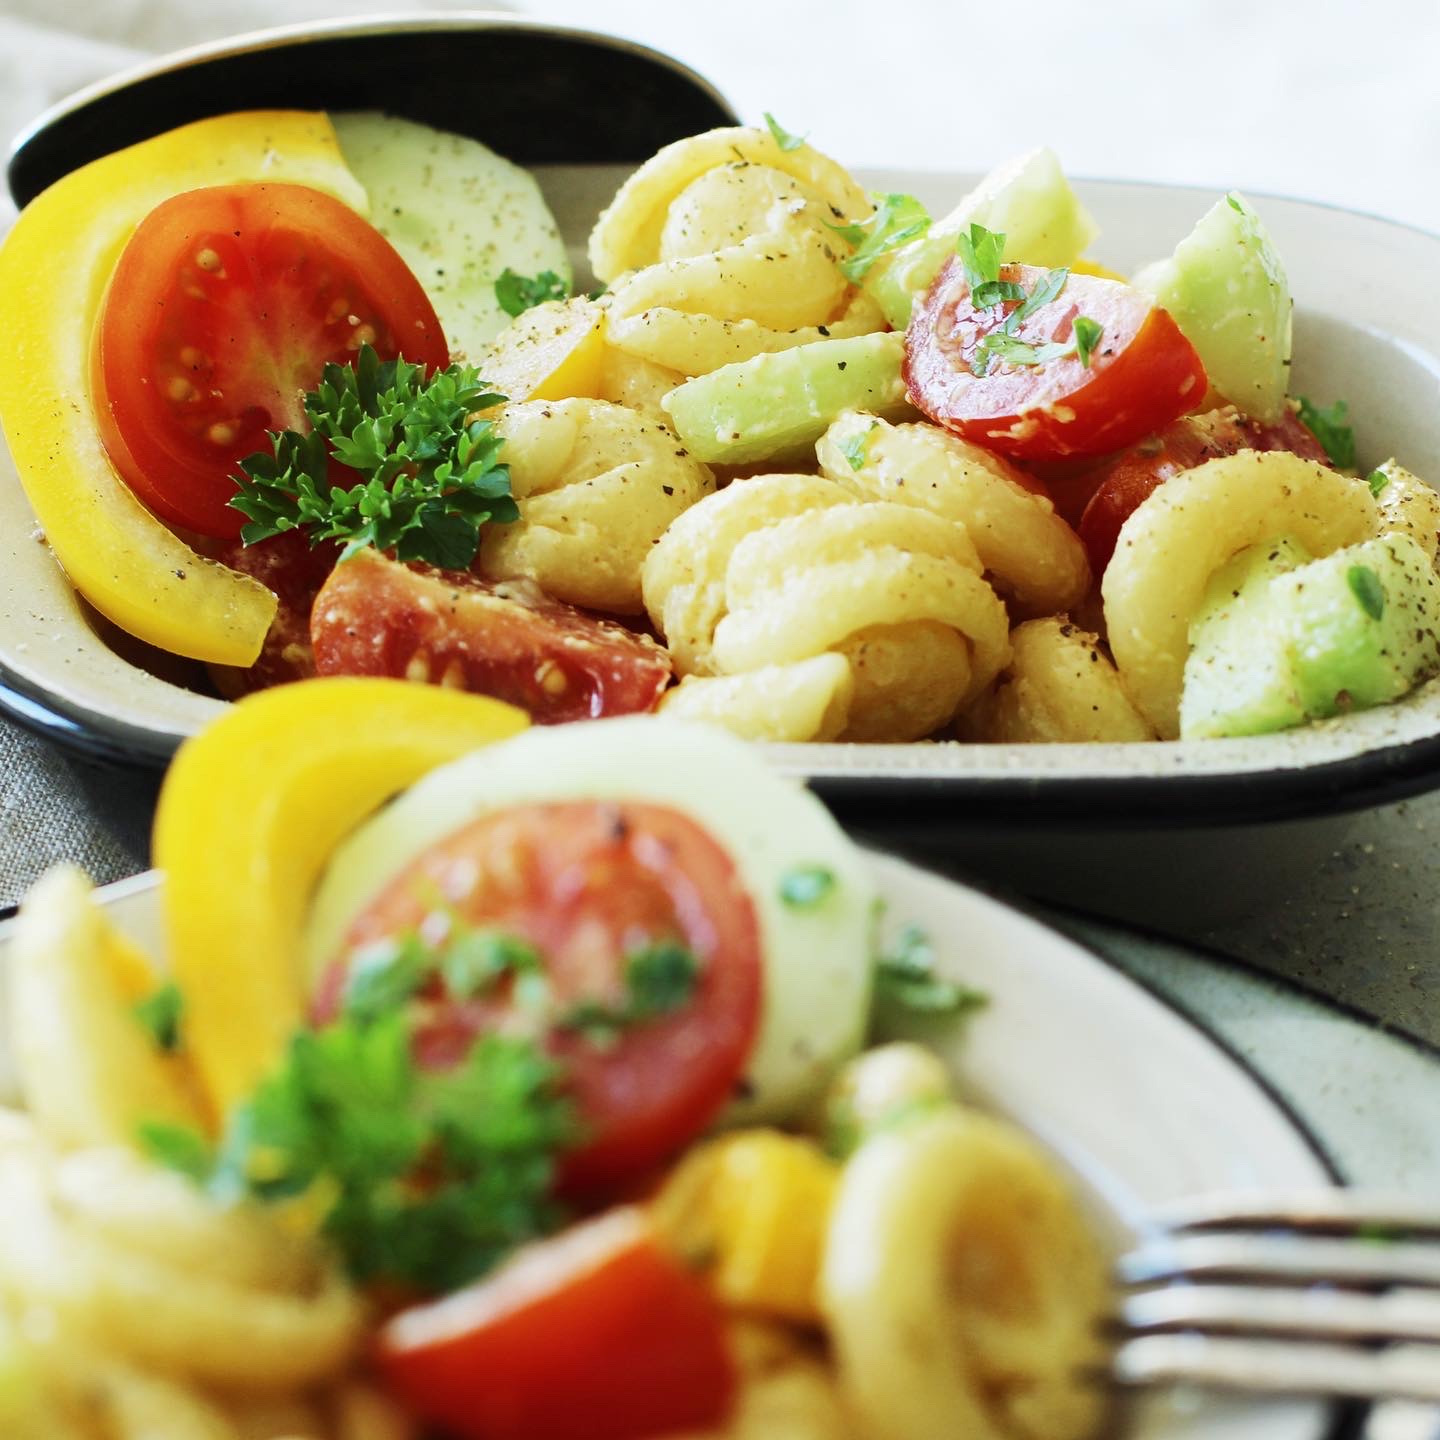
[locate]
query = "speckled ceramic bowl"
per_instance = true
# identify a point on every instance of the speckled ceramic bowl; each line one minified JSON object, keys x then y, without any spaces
{"x":1364,"y":330}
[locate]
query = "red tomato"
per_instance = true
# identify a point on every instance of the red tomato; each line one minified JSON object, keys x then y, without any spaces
{"x":223,"y":309}
{"x":1142,"y":374}
{"x":505,"y":638}
{"x":595,"y":1334}
{"x":295,"y":571}
{"x":588,"y":883}
{"x":1121,"y":483}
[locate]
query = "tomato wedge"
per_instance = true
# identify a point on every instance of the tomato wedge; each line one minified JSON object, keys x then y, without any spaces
{"x":589,"y":884}
{"x":1141,"y":374}
{"x":505,"y":638}
{"x":1122,"y":483}
{"x":223,"y":310}
{"x":595,"y":1334}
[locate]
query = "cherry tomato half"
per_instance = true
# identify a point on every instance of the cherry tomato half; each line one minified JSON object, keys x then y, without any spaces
{"x":223,"y":310}
{"x":594,"y":1334}
{"x":506,"y":638}
{"x":1127,"y":479}
{"x":1141,"y":374}
{"x":588,"y":884}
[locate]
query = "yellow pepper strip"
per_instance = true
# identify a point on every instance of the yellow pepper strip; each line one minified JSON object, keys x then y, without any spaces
{"x":554,"y":351}
{"x":1094,"y":267}
{"x":54,"y":267}
{"x":249,"y":814}
{"x":89,"y":1072}
{"x":751,"y":1209}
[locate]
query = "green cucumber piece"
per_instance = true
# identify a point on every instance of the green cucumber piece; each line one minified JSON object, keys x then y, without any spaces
{"x":1227,"y":291}
{"x":1239,"y":679}
{"x":775,"y":407}
{"x":458,"y":213}
{"x":1028,"y":199}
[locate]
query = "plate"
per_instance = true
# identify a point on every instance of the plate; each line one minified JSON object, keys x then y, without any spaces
{"x":1141,"y":1105}
{"x":1363,"y":331}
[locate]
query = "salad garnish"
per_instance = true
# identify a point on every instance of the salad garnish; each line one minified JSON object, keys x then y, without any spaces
{"x":896,"y":220}
{"x":1330,"y":426}
{"x":519,"y":293}
{"x":660,"y":978}
{"x":782,"y":137}
{"x":431,"y":473}
{"x":805,"y":886}
{"x":159,"y":1012}
{"x":1377,"y":480}
{"x":905,"y":974}
{"x":1365,"y":585}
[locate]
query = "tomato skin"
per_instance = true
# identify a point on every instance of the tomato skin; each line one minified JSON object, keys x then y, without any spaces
{"x":1143,"y":373}
{"x":586,"y":883}
{"x":594,"y":1334}
{"x":508,"y":639}
{"x":223,"y":309}
{"x":1123,"y":482}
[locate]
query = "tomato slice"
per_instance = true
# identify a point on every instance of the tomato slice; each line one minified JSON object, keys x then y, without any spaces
{"x":1142,"y":373}
{"x":594,"y":1334}
{"x":223,"y":310}
{"x":588,"y":884}
{"x":1122,"y":483}
{"x":505,"y":638}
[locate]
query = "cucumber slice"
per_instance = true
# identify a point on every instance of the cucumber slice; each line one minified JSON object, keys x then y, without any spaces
{"x":775,"y":407}
{"x":1028,"y":199}
{"x":1226,"y":288}
{"x":457,"y":212}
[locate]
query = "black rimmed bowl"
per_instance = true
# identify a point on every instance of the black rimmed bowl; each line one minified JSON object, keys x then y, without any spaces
{"x":1138,"y":830}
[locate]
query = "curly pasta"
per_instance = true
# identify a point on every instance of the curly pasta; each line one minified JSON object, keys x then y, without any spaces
{"x":809,"y":700}
{"x":1059,"y":686}
{"x":778,"y":569}
{"x":1031,"y":554}
{"x":597,"y":485}
{"x":1186,"y":530}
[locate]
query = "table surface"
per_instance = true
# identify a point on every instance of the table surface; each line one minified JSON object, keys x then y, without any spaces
{"x":1226,"y":93}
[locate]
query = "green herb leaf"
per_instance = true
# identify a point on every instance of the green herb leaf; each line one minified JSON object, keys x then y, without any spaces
{"x":981,"y":253}
{"x":1088,"y":334}
{"x":855,"y":448}
{"x":804,"y":886}
{"x":998,"y":345}
{"x":659,"y":979}
{"x":905,"y":974}
{"x":432,"y":476}
{"x":1365,"y":585}
{"x":1046,"y":291}
{"x":783,"y":138}
{"x":896,"y":220}
{"x":1330,"y":428}
{"x":160,"y":1012}
{"x":1378,"y":480}
{"x":474,"y":960}
{"x":519,"y":293}
{"x":179,"y":1148}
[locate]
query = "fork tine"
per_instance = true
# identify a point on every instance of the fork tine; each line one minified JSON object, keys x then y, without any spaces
{"x":1323,"y":1314}
{"x":1275,"y":1367}
{"x":1280,"y":1257}
{"x":1342,"y":1210}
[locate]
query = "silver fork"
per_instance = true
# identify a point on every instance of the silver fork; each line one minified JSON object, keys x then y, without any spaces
{"x":1333,"y":1293}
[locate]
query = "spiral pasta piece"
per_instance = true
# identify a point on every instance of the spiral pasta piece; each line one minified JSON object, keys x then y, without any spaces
{"x":597,"y":485}
{"x":1029,"y":552}
{"x":1186,"y":530}
{"x":809,"y":700}
{"x":1059,"y":687}
{"x":628,"y":233}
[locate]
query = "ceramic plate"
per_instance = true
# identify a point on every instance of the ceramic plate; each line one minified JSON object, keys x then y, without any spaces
{"x":1363,"y":331}
{"x":1141,"y":1105}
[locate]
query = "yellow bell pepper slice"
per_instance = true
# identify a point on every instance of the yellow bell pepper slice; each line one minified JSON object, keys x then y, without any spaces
{"x":54,"y":267}
{"x":554,"y":351}
{"x":249,"y":814}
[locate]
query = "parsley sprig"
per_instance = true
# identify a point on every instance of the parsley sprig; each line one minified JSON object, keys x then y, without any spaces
{"x":517,"y":293}
{"x":431,"y":471}
{"x":896,"y":220}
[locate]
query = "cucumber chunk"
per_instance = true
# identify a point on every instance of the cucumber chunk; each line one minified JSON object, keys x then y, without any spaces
{"x":775,"y":407}
{"x":1028,"y":199}
{"x":1275,"y":645}
{"x":457,"y":212}
{"x":1227,"y":291}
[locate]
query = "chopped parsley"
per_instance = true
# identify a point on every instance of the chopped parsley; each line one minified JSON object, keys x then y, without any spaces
{"x":1088,"y":334}
{"x":660,"y":978}
{"x":981,"y":253}
{"x":518,"y":293}
{"x":905,"y":974}
{"x":1378,"y":480}
{"x":803,"y":887}
{"x":782,"y":137}
{"x":896,"y":220}
{"x":1330,"y":426}
{"x":857,"y":446}
{"x":160,"y":1012}
{"x":1365,"y":585}
{"x":431,"y":473}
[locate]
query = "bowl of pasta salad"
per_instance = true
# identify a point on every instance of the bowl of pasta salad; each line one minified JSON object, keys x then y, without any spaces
{"x":999,"y":502}
{"x":580,"y":1090}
